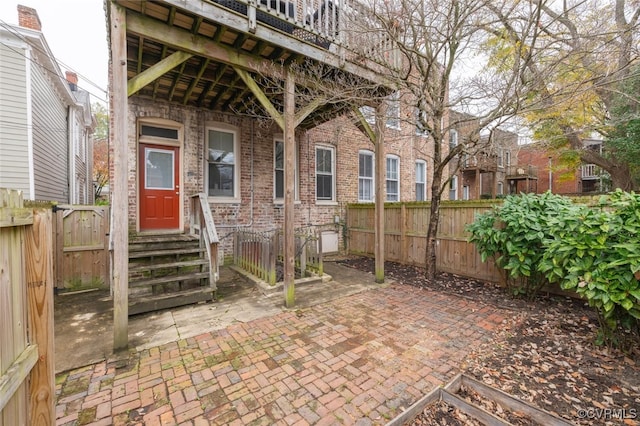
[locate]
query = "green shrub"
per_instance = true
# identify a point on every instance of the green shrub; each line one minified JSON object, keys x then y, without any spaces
{"x":596,"y":253}
{"x":514,"y":234}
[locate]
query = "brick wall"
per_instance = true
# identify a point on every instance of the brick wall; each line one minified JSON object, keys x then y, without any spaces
{"x":563,"y":179}
{"x":257,"y":208}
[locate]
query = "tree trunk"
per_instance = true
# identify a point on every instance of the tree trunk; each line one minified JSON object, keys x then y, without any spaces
{"x":432,"y":230}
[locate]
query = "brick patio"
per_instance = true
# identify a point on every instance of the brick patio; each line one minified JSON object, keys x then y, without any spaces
{"x":359,"y":360}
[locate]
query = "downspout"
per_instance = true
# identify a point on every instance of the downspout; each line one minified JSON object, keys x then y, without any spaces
{"x":70,"y":157}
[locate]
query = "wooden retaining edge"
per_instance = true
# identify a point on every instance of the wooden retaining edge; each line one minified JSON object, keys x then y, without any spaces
{"x":447,"y":394}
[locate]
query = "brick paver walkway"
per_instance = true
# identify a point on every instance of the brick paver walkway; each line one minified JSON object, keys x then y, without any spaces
{"x":359,"y":360}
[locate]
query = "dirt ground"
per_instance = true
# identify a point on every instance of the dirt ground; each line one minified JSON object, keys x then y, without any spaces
{"x":545,"y":354}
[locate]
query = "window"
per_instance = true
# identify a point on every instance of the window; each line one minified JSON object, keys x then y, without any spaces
{"x":369,"y":114}
{"x":222,"y":164}
{"x":278,"y":171}
{"x":453,"y":188}
{"x":325,"y":174}
{"x":421,"y":180}
{"x":507,"y":155}
{"x":453,"y":139}
{"x":365,"y":176}
{"x":500,"y":158}
{"x":421,"y":120}
{"x":465,"y":192}
{"x":500,"y":188}
{"x":393,"y":111}
{"x":393,"y":178}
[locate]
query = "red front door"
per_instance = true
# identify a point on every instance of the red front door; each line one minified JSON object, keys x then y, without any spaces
{"x":159,"y":187}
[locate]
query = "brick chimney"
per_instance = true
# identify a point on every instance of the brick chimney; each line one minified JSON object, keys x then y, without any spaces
{"x":28,"y":18}
{"x":72,"y":79}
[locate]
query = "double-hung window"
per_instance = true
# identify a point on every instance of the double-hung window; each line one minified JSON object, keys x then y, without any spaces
{"x":453,"y":188}
{"x":223,"y":169}
{"x":393,"y":178}
{"x":365,"y":176}
{"x":325,"y":174}
{"x":453,"y":139}
{"x":421,"y":180}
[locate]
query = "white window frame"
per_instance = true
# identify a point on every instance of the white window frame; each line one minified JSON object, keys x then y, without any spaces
{"x":453,"y":188}
{"x":393,"y":111}
{"x":363,"y":178}
{"x":369,"y":114}
{"x":332,"y":150}
{"x":236,"y":172}
{"x":280,"y":200}
{"x":391,"y":178}
{"x":465,"y":192}
{"x":500,"y":158}
{"x":453,"y":139}
{"x":500,"y":188}
{"x":507,"y":156}
{"x":424,"y":182}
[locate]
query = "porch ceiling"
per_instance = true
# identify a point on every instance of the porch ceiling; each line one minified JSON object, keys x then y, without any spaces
{"x":199,"y":53}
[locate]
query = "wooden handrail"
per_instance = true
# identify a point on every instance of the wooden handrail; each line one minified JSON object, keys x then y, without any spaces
{"x":202,"y":225}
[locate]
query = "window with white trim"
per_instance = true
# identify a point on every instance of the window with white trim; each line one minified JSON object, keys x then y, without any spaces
{"x":421,"y":180}
{"x":279,"y":170}
{"x":453,"y":139}
{"x":365,"y":176}
{"x":453,"y":188}
{"x":223,"y":168}
{"x":325,"y":173}
{"x":465,"y":192}
{"x":393,"y":111}
{"x":500,"y":157}
{"x":507,"y":156}
{"x":500,"y":188}
{"x":393,"y":178}
{"x":369,"y":114}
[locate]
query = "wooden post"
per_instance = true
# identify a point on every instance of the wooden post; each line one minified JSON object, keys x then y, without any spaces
{"x":120,"y":198}
{"x":289,"y":185}
{"x":40,"y":283}
{"x":380,"y":171}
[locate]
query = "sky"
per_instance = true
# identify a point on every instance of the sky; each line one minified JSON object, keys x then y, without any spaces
{"x":76,"y":33}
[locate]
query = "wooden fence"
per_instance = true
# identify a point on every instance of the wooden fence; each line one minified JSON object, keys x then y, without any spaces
{"x":405,"y":226}
{"x":258,"y":252}
{"x":81,"y":248}
{"x":27,"y":385}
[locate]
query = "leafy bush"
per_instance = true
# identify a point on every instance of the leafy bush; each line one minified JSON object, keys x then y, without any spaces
{"x":514,"y":234}
{"x":596,"y":253}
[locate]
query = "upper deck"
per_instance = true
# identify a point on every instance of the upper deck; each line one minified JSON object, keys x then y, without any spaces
{"x":196,"y":52}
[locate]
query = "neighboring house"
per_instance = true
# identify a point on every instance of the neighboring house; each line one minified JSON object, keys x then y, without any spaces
{"x":487,"y":170}
{"x":45,"y":119}
{"x":554,"y":176}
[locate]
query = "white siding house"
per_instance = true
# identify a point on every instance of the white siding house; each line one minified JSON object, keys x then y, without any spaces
{"x":45,"y":120}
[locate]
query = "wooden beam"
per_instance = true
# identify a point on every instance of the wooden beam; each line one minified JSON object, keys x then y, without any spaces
{"x":203,"y":67}
{"x":363,"y":125}
{"x":40,"y":283}
{"x":380,"y":171}
{"x":308,"y":109}
{"x":120,"y":198}
{"x":155,"y":71}
{"x":176,"y":80}
{"x":17,"y":374}
{"x":185,"y":41}
{"x":262,"y":98}
{"x":289,"y":185}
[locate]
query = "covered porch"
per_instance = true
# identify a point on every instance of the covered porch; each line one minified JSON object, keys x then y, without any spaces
{"x":191,"y":79}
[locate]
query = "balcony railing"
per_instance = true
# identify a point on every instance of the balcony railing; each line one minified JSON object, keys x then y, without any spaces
{"x":483,"y":163}
{"x":591,"y":171}
{"x":343,"y":26}
{"x":522,"y":172}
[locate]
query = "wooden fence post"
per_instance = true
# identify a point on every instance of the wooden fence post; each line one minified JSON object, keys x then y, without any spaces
{"x":40,"y":283}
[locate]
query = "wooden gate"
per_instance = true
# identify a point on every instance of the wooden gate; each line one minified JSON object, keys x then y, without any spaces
{"x":27,"y":386}
{"x":81,"y":236}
